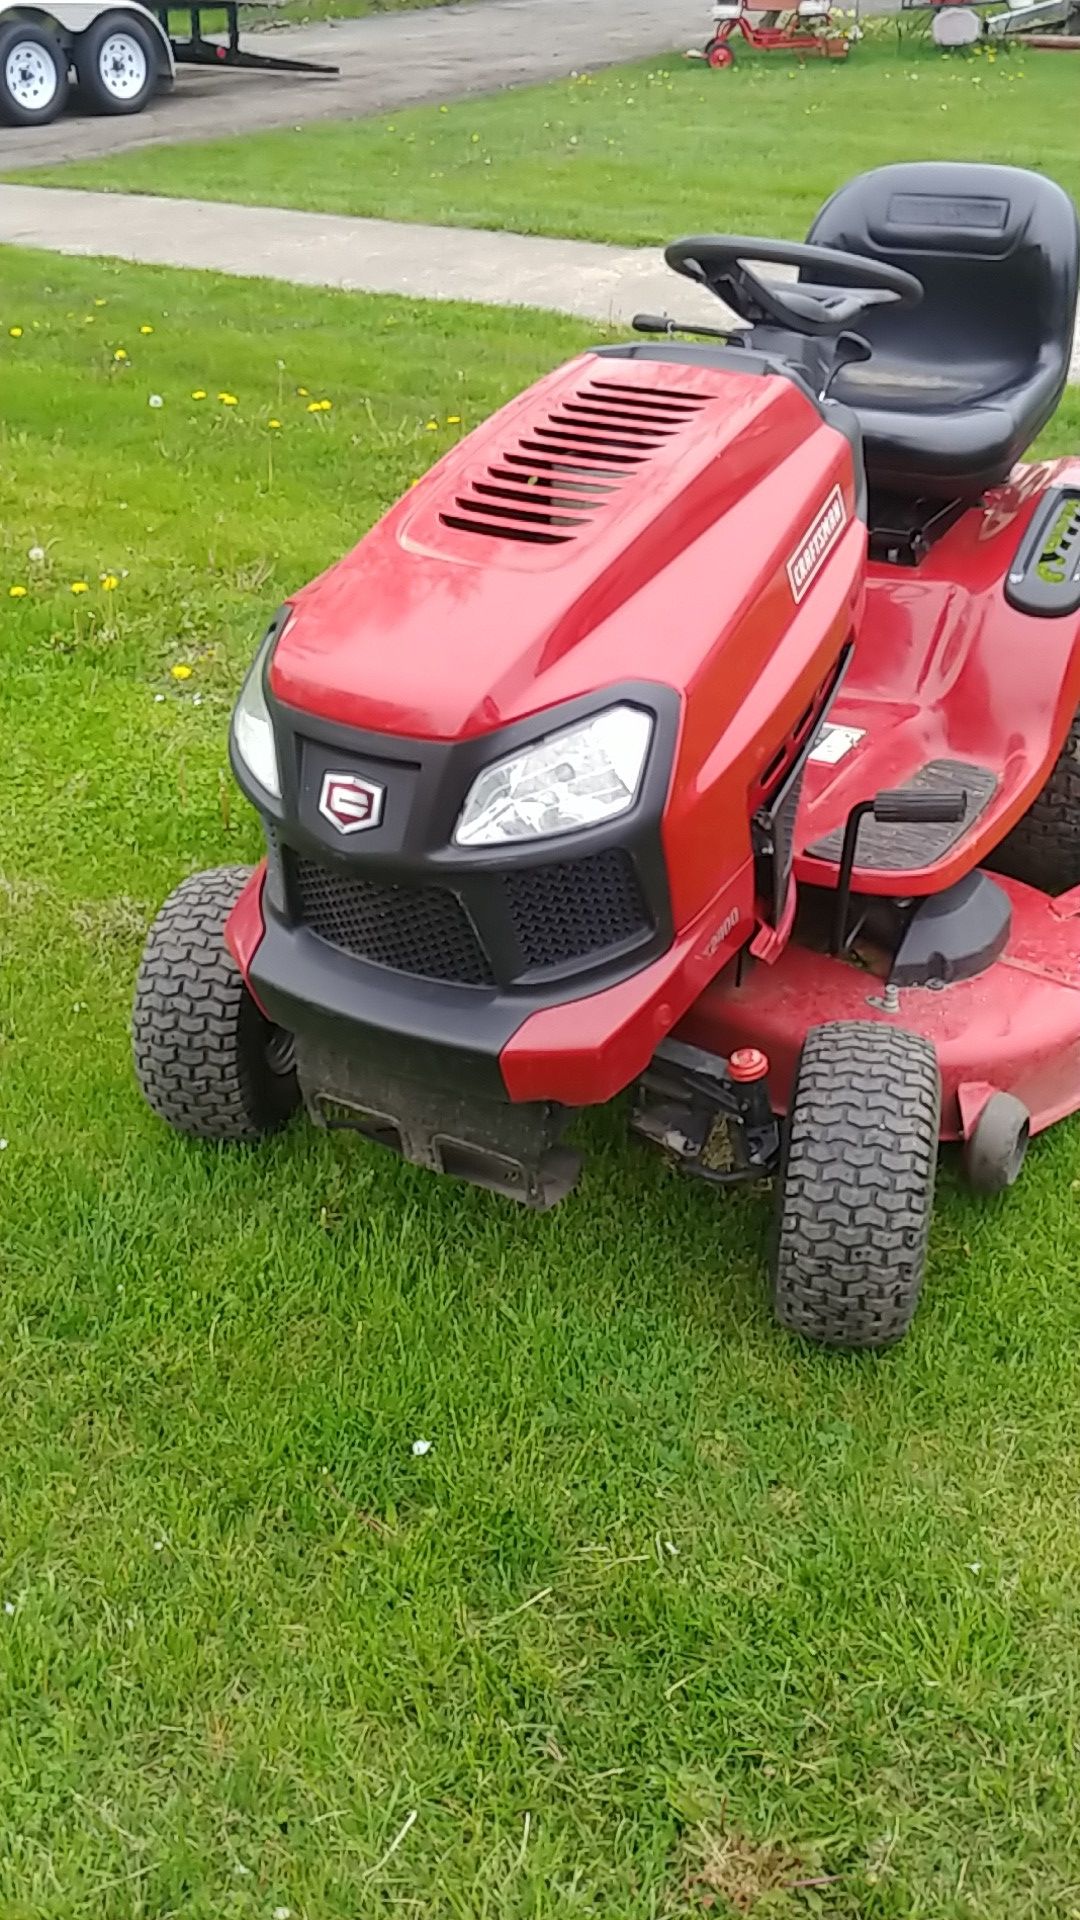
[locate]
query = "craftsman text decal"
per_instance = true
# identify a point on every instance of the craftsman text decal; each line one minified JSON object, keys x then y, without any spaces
{"x":818,"y":544}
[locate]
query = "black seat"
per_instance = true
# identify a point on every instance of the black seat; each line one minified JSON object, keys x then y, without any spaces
{"x":958,"y":387}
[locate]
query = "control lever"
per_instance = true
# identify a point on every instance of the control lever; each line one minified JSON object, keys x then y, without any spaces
{"x":663,"y":323}
{"x":897,"y":806}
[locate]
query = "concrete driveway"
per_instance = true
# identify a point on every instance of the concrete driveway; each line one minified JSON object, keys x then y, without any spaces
{"x":388,"y":61}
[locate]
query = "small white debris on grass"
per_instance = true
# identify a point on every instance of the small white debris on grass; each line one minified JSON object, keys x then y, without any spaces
{"x":159,"y":1546}
{"x":241,"y":1872}
{"x":670,"y":1547}
{"x":158,"y":699}
{"x":3,"y":1144}
{"x":974,"y":1566}
{"x":9,"y":1607}
{"x":282,"y":1913}
{"x":35,"y":554}
{"x":155,"y":400}
{"x":420,"y":1447}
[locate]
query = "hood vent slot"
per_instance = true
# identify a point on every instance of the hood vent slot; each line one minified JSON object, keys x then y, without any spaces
{"x":565,"y":469}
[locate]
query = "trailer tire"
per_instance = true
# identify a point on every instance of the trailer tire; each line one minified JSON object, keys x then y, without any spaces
{"x":116,"y":61}
{"x":33,"y":74}
{"x":856,"y":1186}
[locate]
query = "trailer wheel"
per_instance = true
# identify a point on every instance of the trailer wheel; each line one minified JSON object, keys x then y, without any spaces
{"x":1044,"y":846}
{"x":719,"y":54}
{"x":33,"y":74}
{"x":116,"y":61}
{"x":206,"y":1057}
{"x":856,"y":1188}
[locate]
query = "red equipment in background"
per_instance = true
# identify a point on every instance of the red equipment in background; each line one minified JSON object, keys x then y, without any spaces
{"x":805,"y":30}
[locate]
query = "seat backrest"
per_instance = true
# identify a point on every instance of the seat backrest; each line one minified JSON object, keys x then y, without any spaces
{"x":996,"y":249}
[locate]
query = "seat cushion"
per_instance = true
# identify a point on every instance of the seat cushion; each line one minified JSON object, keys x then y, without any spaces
{"x":958,"y":387}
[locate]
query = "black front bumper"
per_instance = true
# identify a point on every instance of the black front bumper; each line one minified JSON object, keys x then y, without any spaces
{"x":415,"y":1068}
{"x":404,"y":964}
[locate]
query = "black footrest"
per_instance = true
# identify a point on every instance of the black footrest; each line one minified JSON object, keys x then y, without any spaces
{"x":898,"y":847}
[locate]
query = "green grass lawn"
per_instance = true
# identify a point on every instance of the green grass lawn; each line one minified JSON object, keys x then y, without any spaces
{"x":641,"y":154}
{"x":676,"y":1617}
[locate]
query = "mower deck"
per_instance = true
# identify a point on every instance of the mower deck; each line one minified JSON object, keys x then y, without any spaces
{"x":1014,"y":1027}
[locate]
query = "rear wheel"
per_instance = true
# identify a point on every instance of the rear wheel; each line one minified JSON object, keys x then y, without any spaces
{"x":206,"y":1057}
{"x":33,"y":75}
{"x":116,"y":61}
{"x":856,"y":1188}
{"x":1044,"y":847}
{"x":719,"y":54}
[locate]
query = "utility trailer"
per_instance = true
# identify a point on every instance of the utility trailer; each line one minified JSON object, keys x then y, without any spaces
{"x":118,"y":56}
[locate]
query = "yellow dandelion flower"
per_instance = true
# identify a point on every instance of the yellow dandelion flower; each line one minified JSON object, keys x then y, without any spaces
{"x":120,"y":354}
{"x":180,"y":671}
{"x":453,"y":419}
{"x":101,"y":303}
{"x":146,"y":329}
{"x":228,"y":399}
{"x":109,"y":582}
{"x":15,"y":332}
{"x":432,"y":427}
{"x":79,"y":586}
{"x":273,"y":423}
{"x":303,"y":392}
{"x":16,"y":593}
{"x":198,"y":393}
{"x":314,"y":406}
{"x":325,"y":406}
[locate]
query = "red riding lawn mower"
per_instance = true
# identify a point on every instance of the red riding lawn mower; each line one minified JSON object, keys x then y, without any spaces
{"x":706,"y":724}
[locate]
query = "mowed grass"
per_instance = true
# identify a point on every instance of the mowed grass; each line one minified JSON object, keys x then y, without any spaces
{"x":676,"y":1616}
{"x":640,"y":155}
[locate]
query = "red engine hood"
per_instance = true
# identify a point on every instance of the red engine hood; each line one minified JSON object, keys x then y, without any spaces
{"x":608,"y":525}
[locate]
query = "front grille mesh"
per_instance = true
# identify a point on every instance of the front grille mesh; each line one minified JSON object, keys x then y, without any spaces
{"x":561,"y":913}
{"x":558,"y":914}
{"x":419,"y":930}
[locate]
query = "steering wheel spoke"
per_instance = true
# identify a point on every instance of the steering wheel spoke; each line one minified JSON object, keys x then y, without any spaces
{"x":838,"y":287}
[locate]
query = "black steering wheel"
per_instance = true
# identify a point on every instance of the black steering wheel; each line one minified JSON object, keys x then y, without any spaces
{"x":850,"y":285}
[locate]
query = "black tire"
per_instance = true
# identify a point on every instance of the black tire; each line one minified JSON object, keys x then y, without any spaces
{"x":33,"y":75}
{"x":1044,"y":847}
{"x":207,"y":1059}
{"x":995,"y":1152}
{"x":856,"y":1188}
{"x":116,"y":61}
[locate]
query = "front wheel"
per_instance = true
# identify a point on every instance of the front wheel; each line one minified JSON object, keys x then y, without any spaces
{"x":206,"y":1057}
{"x":116,"y":61}
{"x":856,"y":1188}
{"x":719,"y":54}
{"x":33,"y":75}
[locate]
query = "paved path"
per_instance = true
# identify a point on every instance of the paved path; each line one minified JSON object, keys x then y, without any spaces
{"x":364,"y":256}
{"x":370,"y":256}
{"x":388,"y":61}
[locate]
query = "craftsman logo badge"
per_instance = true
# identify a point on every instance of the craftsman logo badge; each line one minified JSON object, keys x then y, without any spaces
{"x":804,"y":566}
{"x":349,"y":803}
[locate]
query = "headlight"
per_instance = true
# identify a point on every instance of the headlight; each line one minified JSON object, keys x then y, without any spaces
{"x":574,"y":778}
{"x":252,"y":727}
